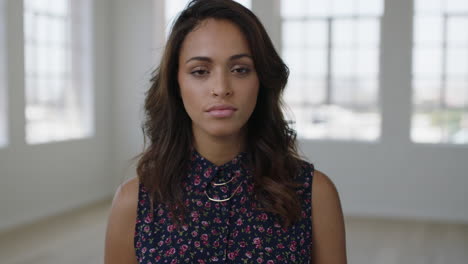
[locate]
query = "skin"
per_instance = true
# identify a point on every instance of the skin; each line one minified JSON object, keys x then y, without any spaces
{"x":212,"y":71}
{"x":216,"y":67}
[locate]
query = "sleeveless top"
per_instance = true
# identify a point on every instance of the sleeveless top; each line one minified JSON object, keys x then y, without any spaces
{"x":233,"y":231}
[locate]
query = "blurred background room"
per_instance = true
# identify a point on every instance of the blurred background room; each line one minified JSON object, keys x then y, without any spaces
{"x":378,"y":91}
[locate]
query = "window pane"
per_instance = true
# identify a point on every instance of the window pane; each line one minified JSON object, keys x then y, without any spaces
{"x":368,"y":33}
{"x":292,"y":8}
{"x":316,"y":34}
{"x":367,"y":62}
{"x":293,"y":32}
{"x":306,"y":62}
{"x":348,"y":68}
{"x":316,"y":62}
{"x":428,"y":30}
{"x":246,"y":3}
{"x":440,"y":126}
{"x":423,"y":130}
{"x":343,"y":7}
{"x":355,"y":92}
{"x":58,"y":33}
{"x":55,"y":85}
{"x":59,"y":8}
{"x":293,"y":92}
{"x":440,"y":72}
{"x":335,"y":122}
{"x":343,"y":91}
{"x":426,"y":94}
{"x":344,"y":33}
{"x":370,"y":7}
{"x":457,"y":92}
{"x":295,"y":61}
{"x":366,"y":92}
{"x":457,"y":33}
{"x":174,"y":7}
{"x":343,"y":61}
{"x":456,"y":6}
{"x":304,"y":90}
{"x":457,"y":61}
{"x":428,"y":6}
{"x":427,"y":61}
{"x":317,"y":8}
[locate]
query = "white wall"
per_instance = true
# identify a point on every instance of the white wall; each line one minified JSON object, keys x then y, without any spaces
{"x":40,"y":180}
{"x":138,"y":32}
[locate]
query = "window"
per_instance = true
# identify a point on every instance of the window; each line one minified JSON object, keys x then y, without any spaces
{"x":440,"y":72}
{"x":57,"y":70}
{"x":173,"y":8}
{"x":332,"y":50}
{"x":3,"y":87}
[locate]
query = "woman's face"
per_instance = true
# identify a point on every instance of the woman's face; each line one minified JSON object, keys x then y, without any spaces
{"x":217,"y":79}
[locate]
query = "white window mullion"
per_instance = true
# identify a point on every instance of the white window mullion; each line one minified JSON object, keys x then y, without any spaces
{"x":3,"y":81}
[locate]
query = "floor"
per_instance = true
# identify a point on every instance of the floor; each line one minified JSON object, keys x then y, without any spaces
{"x":78,"y":237}
{"x":72,"y":238}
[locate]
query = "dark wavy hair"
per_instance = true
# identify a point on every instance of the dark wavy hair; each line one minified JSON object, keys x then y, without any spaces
{"x":271,"y":143}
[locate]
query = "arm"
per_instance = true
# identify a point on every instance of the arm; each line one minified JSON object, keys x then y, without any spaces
{"x":120,"y":231}
{"x":328,"y":241}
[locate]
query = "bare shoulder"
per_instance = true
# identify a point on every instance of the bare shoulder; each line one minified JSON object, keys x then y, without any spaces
{"x":121,"y":224}
{"x":323,"y":187}
{"x":127,"y":192}
{"x":126,"y":198}
{"x":329,"y":240}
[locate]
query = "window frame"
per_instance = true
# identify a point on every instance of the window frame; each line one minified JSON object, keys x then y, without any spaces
{"x":331,"y":77}
{"x":75,"y":120}
{"x":438,"y":81}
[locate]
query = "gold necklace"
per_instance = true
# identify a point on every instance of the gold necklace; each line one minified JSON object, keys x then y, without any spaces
{"x":220,"y":184}
{"x":223,"y":183}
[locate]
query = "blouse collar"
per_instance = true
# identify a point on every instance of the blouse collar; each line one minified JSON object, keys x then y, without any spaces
{"x":204,"y":172}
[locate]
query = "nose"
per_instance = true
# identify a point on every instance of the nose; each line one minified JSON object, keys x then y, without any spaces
{"x":221,"y":86}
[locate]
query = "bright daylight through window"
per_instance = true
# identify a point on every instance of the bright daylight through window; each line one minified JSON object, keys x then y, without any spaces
{"x":440,"y":72}
{"x":173,"y":7}
{"x":57,"y":70}
{"x":332,"y":50}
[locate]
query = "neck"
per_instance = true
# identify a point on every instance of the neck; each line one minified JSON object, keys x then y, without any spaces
{"x":219,"y":150}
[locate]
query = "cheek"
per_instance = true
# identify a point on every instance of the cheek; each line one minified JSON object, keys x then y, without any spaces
{"x":186,"y":95}
{"x":252,"y":93}
{"x":191,"y":98}
{"x":190,"y":104}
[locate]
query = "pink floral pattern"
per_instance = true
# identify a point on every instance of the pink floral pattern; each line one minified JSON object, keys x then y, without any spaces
{"x":235,"y":231}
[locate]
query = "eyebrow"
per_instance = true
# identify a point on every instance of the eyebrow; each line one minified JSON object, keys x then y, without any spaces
{"x":208,"y":59}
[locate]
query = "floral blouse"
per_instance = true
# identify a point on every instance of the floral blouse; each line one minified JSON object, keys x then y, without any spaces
{"x":232,"y":231}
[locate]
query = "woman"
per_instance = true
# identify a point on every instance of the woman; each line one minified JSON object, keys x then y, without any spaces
{"x":221,"y":180}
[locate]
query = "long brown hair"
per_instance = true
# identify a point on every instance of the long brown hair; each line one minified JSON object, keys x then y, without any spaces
{"x":271,"y":142}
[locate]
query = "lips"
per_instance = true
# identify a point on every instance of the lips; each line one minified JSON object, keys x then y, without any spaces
{"x":221,"y":107}
{"x":221,"y":110}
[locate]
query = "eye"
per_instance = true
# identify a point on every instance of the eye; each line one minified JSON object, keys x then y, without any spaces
{"x":199,"y":72}
{"x":241,"y":70}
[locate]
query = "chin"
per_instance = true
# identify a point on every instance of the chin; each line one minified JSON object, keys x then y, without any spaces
{"x":224,"y":131}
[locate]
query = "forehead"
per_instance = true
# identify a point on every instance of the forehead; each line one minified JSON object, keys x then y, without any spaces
{"x":216,"y":39}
